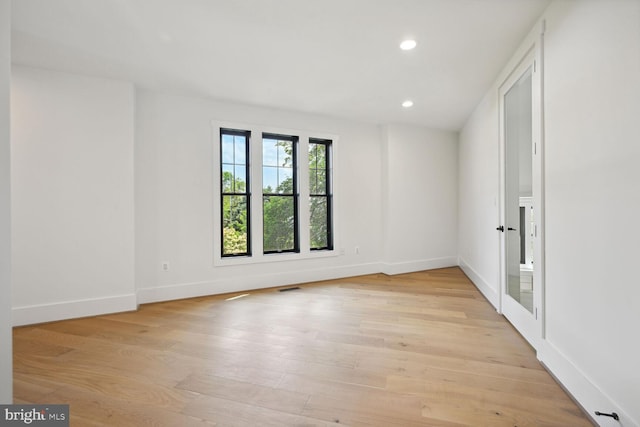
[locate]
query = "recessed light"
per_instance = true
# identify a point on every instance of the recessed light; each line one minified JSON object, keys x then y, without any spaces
{"x":408,"y":44}
{"x":407,"y":104}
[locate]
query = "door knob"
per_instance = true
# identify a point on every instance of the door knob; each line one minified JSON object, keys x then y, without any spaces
{"x":511,"y":229}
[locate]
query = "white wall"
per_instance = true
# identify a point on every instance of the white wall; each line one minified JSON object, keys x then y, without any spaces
{"x":72,"y":195}
{"x":592,"y":102}
{"x":420,"y":198}
{"x":6,"y":355}
{"x":479,"y":180}
{"x":174,"y":198}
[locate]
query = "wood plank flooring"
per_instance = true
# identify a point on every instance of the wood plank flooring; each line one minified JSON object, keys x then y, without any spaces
{"x":420,"y":349}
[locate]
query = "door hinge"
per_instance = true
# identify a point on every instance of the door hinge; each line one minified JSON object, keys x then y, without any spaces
{"x":535,"y":148}
{"x":536,"y":313}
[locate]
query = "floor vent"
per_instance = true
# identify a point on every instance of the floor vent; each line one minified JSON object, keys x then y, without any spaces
{"x":288,"y":289}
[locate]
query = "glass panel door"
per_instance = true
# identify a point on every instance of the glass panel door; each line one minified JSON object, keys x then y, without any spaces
{"x":521,"y":198}
{"x":518,"y":187}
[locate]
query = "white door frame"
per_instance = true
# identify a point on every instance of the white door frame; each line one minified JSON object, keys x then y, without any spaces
{"x":530,"y":326}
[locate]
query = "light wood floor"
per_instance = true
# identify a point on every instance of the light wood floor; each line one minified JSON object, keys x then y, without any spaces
{"x":421,"y":349}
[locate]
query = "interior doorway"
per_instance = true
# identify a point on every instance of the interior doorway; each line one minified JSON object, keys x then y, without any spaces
{"x":521,"y":197}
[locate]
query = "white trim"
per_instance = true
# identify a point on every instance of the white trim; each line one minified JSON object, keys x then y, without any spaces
{"x":269,"y":258}
{"x":539,"y":199}
{"x":6,"y":360}
{"x":483,"y":286}
{"x":393,"y":268}
{"x":248,"y":283}
{"x":581,"y":387}
{"x":27,"y":315}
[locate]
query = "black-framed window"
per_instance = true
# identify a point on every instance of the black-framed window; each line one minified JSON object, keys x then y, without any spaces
{"x":235,"y":191}
{"x":320,"y":195}
{"x":280,"y":193}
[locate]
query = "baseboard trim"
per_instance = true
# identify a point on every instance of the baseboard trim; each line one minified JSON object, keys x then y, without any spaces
{"x":483,"y":286}
{"x":393,"y":268}
{"x":578,"y":385}
{"x":248,"y":283}
{"x":28,"y":315}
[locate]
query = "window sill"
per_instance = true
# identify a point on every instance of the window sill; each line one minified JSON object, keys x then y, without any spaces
{"x":274,"y":257}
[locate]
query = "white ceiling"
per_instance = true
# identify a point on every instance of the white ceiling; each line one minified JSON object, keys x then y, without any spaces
{"x":333,"y":57}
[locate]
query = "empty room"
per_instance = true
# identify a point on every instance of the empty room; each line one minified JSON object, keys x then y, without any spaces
{"x":313,"y":213}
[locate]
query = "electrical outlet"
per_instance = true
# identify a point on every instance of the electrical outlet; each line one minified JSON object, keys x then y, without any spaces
{"x":165,"y":266}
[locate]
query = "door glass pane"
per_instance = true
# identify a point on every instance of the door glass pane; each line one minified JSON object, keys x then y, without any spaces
{"x":518,"y":171}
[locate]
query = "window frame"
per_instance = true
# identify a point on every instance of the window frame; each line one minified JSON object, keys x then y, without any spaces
{"x":328,"y":192}
{"x":246,"y":193}
{"x":295,"y":194}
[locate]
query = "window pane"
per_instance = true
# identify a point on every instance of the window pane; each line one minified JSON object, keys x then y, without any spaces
{"x":319,"y":222}
{"x":234,"y":225}
{"x":313,"y":155}
{"x":227,"y":148}
{"x":269,"y":179}
{"x":317,"y":168}
{"x":313,"y":183}
{"x":227,"y":179}
{"x":285,"y":181}
{"x":240,"y":183}
{"x":321,"y":183}
{"x":321,"y":156}
{"x":279,"y":223}
{"x":240,"y":150}
{"x":284,"y":154}
{"x":269,"y":152}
